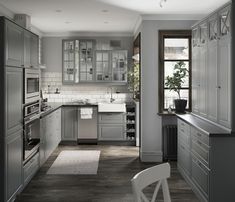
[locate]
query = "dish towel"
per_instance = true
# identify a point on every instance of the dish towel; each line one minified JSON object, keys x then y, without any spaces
{"x":86,"y":113}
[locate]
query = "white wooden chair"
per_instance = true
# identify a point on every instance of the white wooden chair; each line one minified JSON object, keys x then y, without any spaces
{"x":143,"y":179}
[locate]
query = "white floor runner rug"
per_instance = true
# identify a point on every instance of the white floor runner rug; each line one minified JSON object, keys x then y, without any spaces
{"x":79,"y":162}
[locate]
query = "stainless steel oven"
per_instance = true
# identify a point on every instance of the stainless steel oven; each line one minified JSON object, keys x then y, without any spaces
{"x":31,"y":130}
{"x":31,"y":85}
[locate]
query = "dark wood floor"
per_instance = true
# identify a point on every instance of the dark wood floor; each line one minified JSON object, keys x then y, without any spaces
{"x":118,"y":164}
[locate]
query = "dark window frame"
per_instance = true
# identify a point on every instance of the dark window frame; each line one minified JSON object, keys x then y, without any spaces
{"x":172,"y":34}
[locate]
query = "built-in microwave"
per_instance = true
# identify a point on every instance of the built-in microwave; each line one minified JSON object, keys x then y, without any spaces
{"x":31,"y":85}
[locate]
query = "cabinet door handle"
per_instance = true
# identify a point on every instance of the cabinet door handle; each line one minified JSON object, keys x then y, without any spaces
{"x":218,"y":87}
{"x":182,"y":130}
{"x":182,"y":147}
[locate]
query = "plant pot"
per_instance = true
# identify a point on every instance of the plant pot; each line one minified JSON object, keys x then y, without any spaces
{"x":180,"y":105}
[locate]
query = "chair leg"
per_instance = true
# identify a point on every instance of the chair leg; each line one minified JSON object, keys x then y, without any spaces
{"x":165,"y":190}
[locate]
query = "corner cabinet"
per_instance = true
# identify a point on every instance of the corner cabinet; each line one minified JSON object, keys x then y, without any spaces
{"x":83,"y":64}
{"x":211,"y":67}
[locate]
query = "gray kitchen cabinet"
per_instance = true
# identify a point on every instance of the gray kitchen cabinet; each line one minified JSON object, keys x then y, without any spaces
{"x":112,"y":132}
{"x":103,"y":70}
{"x":112,"y":127}
{"x":14,"y":99}
{"x":111,"y":117}
{"x":30,"y":168}
{"x":50,"y":134}
{"x":14,"y":50}
{"x":202,"y":69}
{"x":119,"y":65}
{"x":86,"y":65}
{"x":30,"y":50}
{"x":34,"y":51}
{"x":211,"y":67}
{"x":14,"y":164}
{"x":195,"y":70}
{"x":204,"y":158}
{"x":27,"y":47}
{"x":83,"y":64}
{"x":69,"y":123}
{"x":224,"y":81}
{"x":70,"y":61}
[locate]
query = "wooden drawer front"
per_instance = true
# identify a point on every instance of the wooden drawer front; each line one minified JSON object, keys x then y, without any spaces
{"x":182,"y":137}
{"x":111,"y":132}
{"x":111,"y":118}
{"x":201,"y":150}
{"x":183,"y":127}
{"x":200,"y":175}
{"x":204,"y":138}
{"x":184,"y":158}
{"x":30,"y":168}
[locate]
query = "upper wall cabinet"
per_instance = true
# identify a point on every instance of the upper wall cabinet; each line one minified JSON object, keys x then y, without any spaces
{"x":70,"y":61}
{"x":83,"y":64}
{"x":21,"y":46}
{"x":14,"y":44}
{"x":211,"y":67}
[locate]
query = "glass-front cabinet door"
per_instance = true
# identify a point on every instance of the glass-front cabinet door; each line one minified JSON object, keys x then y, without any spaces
{"x":224,"y":21}
{"x":103,"y":71}
{"x":213,"y":28}
{"x":119,"y":66}
{"x":70,"y":61}
{"x":86,"y":61}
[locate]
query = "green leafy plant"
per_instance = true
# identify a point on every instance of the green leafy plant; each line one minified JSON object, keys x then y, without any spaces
{"x":134,"y":80}
{"x":174,"y":83}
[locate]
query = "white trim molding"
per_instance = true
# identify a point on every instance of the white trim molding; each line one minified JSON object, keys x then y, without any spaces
{"x":172,"y":17}
{"x":148,"y":156}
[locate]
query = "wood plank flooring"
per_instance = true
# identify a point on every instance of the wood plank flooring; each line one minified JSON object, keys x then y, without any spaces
{"x":118,"y":164}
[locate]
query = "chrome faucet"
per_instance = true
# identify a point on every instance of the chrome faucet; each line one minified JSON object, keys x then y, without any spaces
{"x":111,"y":93}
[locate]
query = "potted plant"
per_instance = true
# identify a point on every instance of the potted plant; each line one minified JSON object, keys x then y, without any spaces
{"x":174,"y":83}
{"x":134,"y":80}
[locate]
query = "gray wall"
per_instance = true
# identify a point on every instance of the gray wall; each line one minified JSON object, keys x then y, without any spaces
{"x":52,"y":50}
{"x":151,"y":123}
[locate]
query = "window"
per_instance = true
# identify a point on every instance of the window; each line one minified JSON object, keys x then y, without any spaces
{"x":174,"y":49}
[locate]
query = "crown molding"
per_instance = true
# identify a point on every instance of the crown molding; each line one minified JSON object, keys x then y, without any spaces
{"x":172,"y":17}
{"x":88,"y":34}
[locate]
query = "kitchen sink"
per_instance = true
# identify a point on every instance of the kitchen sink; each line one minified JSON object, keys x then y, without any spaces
{"x":111,"y":107}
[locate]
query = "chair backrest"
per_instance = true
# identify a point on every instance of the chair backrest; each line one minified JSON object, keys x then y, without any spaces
{"x":158,"y":173}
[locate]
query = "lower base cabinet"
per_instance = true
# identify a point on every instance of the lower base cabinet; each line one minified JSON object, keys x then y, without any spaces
{"x":206,"y":161}
{"x":14,"y":159}
{"x":69,"y":123}
{"x":112,"y":127}
{"x":111,"y":132}
{"x":30,"y":168}
{"x":50,"y":127}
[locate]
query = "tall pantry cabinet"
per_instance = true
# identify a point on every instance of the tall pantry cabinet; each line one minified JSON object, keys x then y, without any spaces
{"x":14,"y":56}
{"x":211,"y":67}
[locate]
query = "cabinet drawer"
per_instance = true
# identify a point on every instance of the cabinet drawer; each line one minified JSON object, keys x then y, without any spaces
{"x":111,"y":132}
{"x":200,"y":150}
{"x":184,"y":158}
{"x":204,"y":138}
{"x":30,"y":168}
{"x":200,"y":175}
{"x":182,"y":137}
{"x":183,"y":127}
{"x":111,"y":118}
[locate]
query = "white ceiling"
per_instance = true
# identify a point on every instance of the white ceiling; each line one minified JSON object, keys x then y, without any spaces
{"x":52,"y":16}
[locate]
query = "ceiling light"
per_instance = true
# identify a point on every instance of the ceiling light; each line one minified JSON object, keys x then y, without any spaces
{"x":106,"y":22}
{"x":161,"y":3}
{"x":58,"y":11}
{"x":67,"y":22}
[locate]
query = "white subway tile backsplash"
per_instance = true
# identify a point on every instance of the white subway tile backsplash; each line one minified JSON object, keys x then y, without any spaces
{"x":72,"y":93}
